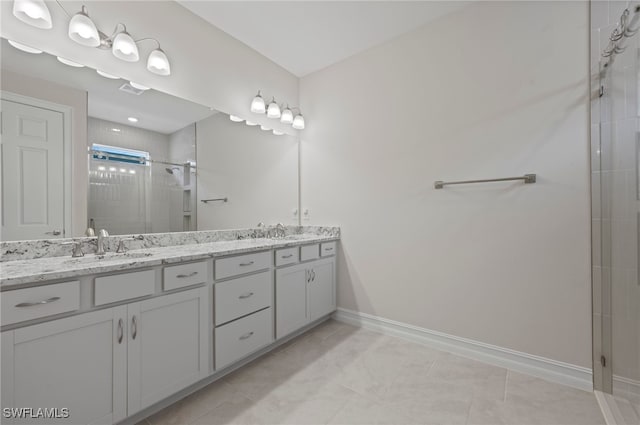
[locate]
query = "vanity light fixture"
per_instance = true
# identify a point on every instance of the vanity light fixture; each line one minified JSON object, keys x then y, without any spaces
{"x":124,"y":47}
{"x":235,"y":118}
{"x":158,"y":62}
{"x":250,"y":123}
{"x":33,"y":12}
{"x":257,"y":104}
{"x":273,"y":110}
{"x":287,"y":116}
{"x":105,"y":75}
{"x":132,"y":119}
{"x":138,"y":86}
{"x":298,"y":122}
{"x":70,"y":62}
{"x":24,"y":47}
{"x":82,"y":30}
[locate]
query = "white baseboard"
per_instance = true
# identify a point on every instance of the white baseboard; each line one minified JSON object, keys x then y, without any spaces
{"x":552,"y":370}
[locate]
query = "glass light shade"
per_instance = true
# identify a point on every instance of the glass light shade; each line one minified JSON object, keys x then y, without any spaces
{"x":158,"y":63}
{"x":24,"y":47}
{"x":105,"y":75}
{"x":273,"y":111}
{"x":277,"y":133}
{"x":257,"y":104}
{"x":250,"y":123}
{"x":262,"y":127}
{"x":298,"y":122}
{"x":138,"y":86}
{"x":287,"y":116}
{"x":125,"y":48}
{"x":235,"y":118}
{"x":70,"y":63}
{"x":83,"y":31}
{"x":33,"y":12}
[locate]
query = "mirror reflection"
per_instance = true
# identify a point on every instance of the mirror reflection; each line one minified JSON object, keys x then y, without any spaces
{"x":84,"y":150}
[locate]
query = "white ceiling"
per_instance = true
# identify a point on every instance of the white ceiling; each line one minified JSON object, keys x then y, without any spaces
{"x":305,"y":36}
{"x":155,"y":111}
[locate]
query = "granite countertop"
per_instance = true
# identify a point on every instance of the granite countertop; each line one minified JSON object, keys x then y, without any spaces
{"x":21,"y":272}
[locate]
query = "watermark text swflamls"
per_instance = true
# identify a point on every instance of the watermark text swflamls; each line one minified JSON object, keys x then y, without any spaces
{"x":35,"y":413}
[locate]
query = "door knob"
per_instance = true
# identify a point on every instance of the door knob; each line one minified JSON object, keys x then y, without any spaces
{"x":54,"y":233}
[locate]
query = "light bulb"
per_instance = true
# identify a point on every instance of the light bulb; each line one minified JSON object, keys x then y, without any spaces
{"x":257,"y":104}
{"x":158,"y":63}
{"x":33,"y":12}
{"x":83,"y":31}
{"x":262,"y":127}
{"x":125,"y":48}
{"x":250,"y":123}
{"x":138,"y":86}
{"x":132,"y":119}
{"x":298,"y":122}
{"x":235,"y":118}
{"x":273,"y":111}
{"x":70,"y":62}
{"x":287,"y":116}
{"x":277,"y":133}
{"x":24,"y":47}
{"x":105,"y":75}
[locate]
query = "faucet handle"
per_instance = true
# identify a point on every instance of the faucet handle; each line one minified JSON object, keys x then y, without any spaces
{"x":76,"y":249}
{"x":121,"y":247}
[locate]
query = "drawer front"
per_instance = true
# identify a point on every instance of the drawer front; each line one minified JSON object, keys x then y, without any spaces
{"x":241,"y":264}
{"x":184,"y":275}
{"x":327,"y":249}
{"x":287,"y":256}
{"x":42,"y":301}
{"x":238,"y":339}
{"x":309,"y":252}
{"x":120,"y":287}
{"x":239,"y":297}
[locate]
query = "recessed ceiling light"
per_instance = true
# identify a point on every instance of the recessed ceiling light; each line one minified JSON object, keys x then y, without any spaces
{"x":251,"y":123}
{"x":70,"y":63}
{"x":138,"y":86}
{"x":117,"y":130}
{"x":24,"y":47}
{"x":235,"y":118}
{"x":132,"y":119}
{"x":105,"y":75}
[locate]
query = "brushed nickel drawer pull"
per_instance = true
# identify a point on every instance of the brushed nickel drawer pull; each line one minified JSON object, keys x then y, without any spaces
{"x":120,"y":331}
{"x":287,"y":256}
{"x":184,"y":276}
{"x":247,"y":295}
{"x":33,"y":304}
{"x":134,"y":327}
{"x":329,"y":248}
{"x":246,"y":264}
{"x":245,"y":336}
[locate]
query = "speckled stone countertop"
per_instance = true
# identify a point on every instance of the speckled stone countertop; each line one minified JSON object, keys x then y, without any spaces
{"x":24,"y":272}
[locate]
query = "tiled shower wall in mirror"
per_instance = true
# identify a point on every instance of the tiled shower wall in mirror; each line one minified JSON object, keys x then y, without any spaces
{"x":615,"y":210}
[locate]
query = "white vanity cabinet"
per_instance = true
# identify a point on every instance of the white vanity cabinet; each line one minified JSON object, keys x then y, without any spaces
{"x":79,"y":363}
{"x":304,"y":293}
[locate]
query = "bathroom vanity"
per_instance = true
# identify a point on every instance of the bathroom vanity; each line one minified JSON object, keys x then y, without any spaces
{"x":113,"y":338}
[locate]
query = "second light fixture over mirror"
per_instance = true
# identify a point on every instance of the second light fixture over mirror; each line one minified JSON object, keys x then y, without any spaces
{"x":274,"y":111}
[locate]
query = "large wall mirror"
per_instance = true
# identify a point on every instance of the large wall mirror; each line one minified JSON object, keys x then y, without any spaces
{"x":147,"y":161}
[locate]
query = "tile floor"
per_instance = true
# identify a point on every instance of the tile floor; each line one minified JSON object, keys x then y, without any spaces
{"x":339,"y":374}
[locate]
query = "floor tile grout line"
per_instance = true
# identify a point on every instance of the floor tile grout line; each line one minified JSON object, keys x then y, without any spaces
{"x":506,"y":383}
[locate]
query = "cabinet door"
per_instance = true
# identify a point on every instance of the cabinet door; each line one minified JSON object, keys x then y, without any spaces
{"x":321,"y":288}
{"x":291,"y":299}
{"x":78,"y":363}
{"x":167,"y":347}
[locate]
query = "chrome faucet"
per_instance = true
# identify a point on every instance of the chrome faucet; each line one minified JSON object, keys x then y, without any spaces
{"x":122,"y":248}
{"x":280,"y":230}
{"x":101,"y":249}
{"x":77,"y":248}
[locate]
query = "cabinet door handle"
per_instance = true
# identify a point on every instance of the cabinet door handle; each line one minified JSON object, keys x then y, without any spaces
{"x":120,"y":331}
{"x":245,"y":336}
{"x":134,"y":327}
{"x":54,"y":233}
{"x":308,"y":273}
{"x":183,"y":276}
{"x":35,"y":303}
{"x":287,"y":256}
{"x":247,"y":295}
{"x":329,"y":249}
{"x":313,"y":279}
{"x":246,"y":264}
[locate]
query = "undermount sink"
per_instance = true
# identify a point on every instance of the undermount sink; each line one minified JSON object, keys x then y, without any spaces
{"x":108,"y":256}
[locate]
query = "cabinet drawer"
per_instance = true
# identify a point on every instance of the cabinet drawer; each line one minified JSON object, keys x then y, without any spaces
{"x":287,"y":256}
{"x":120,"y":287}
{"x":327,"y":249}
{"x":239,"y":297}
{"x":42,"y":301}
{"x":238,"y":339}
{"x":241,"y":264}
{"x":309,"y":252}
{"x":184,"y":275}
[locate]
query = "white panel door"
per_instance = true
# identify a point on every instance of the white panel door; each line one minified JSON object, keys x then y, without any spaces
{"x":168,"y":346}
{"x":78,"y":363}
{"x":291,"y":299}
{"x":32,"y":172}
{"x":322,"y":288}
